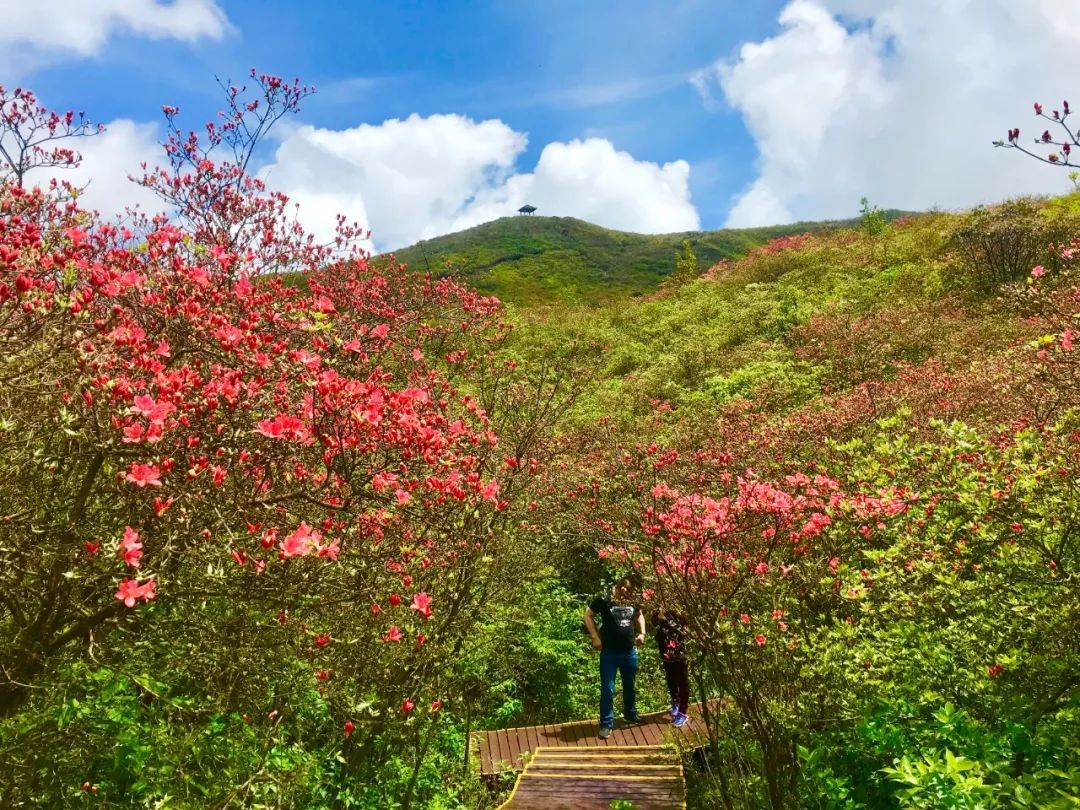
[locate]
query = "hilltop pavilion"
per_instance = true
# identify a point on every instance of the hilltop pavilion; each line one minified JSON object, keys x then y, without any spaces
{"x":527,"y":210}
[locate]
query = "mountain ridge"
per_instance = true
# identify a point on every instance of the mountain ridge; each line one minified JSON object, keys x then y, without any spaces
{"x":532,"y":260}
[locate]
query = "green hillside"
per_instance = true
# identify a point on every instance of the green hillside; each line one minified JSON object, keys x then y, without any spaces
{"x":534,"y":260}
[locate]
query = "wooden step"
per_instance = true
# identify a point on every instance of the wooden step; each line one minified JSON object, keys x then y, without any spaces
{"x":650,"y":777}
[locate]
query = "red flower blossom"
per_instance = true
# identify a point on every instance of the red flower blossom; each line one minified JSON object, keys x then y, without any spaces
{"x":130,"y":590}
{"x":349,"y":727}
{"x":422,"y":603}
{"x":143,"y":475}
{"x":301,"y":542}
{"x":131,"y":548}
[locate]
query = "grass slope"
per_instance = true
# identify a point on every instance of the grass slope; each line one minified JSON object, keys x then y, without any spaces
{"x":530,"y":261}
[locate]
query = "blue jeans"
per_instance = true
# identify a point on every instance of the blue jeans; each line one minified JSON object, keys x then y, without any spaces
{"x":626,"y":664}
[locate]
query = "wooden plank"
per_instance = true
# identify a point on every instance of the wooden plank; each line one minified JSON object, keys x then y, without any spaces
{"x":514,"y":743}
{"x":551,"y":736}
{"x":492,"y":740}
{"x":622,"y":761}
{"x":484,"y":743}
{"x":669,"y":774}
{"x":533,"y":738}
{"x":572,"y":796}
{"x":502,"y":749}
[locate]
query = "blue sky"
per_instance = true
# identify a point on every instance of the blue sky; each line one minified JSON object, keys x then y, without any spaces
{"x":716,"y":85}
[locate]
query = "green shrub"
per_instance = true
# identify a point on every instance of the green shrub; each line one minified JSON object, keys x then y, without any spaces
{"x":1000,"y":245}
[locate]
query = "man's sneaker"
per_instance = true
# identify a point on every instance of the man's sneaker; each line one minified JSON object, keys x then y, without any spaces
{"x":634,"y":721}
{"x":674,"y":710}
{"x":680,"y":719}
{"x":605,"y":732}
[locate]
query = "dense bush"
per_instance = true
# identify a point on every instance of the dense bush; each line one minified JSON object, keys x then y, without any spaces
{"x":1001,"y":244}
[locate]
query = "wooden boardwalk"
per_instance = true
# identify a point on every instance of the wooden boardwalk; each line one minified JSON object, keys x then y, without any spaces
{"x":591,"y":778}
{"x":507,"y":749}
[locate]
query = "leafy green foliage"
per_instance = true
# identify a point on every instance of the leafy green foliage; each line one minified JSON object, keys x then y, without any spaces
{"x":1002,"y":244}
{"x":536,"y":261}
{"x":686,"y":266}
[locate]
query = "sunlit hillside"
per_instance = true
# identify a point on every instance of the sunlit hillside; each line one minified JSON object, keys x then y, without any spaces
{"x":533,"y":260}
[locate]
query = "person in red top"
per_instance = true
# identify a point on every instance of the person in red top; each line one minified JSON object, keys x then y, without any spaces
{"x":669,"y":630}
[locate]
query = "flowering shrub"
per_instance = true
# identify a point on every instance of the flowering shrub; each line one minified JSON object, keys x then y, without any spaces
{"x":220,"y":461}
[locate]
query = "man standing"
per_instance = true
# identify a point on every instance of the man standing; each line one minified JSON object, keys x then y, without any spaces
{"x":621,"y":631}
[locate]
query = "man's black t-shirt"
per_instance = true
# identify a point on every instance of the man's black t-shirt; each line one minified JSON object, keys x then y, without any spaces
{"x":617,"y":630}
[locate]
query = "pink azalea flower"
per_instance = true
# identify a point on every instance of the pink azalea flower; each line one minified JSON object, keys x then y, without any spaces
{"x":759,"y":640}
{"x":132,"y":433}
{"x":144,"y":405}
{"x":144,"y":475}
{"x":130,"y":590}
{"x":422,"y":602}
{"x":301,"y":542}
{"x":330,"y":550}
{"x":131,"y":547}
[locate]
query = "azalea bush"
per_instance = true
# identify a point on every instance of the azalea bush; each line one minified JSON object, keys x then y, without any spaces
{"x":844,"y":565}
{"x":290,"y":497}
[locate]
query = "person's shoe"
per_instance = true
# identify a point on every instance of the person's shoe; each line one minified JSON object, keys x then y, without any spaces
{"x":674,"y":710}
{"x":680,"y":719}
{"x":633,"y":721}
{"x":605,"y":732}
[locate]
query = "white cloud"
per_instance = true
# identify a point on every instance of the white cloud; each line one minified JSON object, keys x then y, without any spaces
{"x":897,"y":100}
{"x":42,"y":32}
{"x":108,"y":161}
{"x":593,"y":181}
{"x":420,"y":177}
{"x":402,"y":178}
